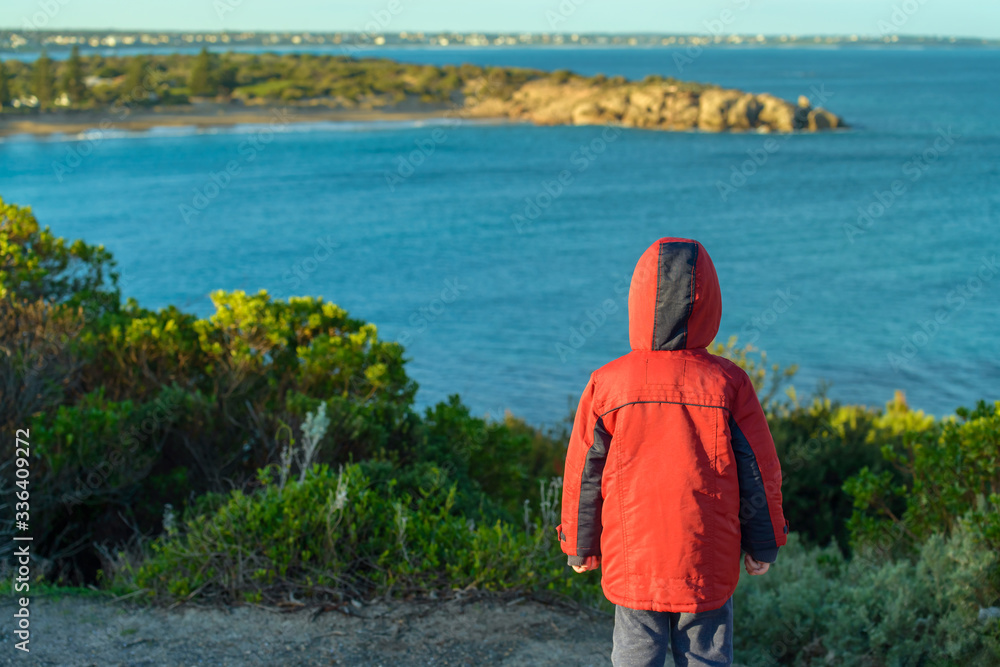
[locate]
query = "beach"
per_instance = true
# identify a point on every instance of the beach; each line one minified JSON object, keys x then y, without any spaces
{"x":202,"y":116}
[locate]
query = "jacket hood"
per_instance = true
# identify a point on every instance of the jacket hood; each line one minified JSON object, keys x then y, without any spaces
{"x":674,"y":301}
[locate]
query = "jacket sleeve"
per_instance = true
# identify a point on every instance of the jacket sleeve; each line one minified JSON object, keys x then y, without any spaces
{"x":762,"y":524}
{"x":580,"y":530}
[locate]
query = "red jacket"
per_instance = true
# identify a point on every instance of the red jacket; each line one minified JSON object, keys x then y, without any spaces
{"x":671,"y":468}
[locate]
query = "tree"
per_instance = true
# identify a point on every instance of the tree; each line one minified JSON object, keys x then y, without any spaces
{"x":42,"y":82}
{"x":4,"y":86}
{"x":72,"y":79}
{"x":135,"y":87}
{"x":201,"y":83}
{"x":227,"y":79}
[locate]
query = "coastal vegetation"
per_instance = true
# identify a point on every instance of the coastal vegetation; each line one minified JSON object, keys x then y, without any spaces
{"x":272,"y":453}
{"x":154,"y":83}
{"x":99,"y":82}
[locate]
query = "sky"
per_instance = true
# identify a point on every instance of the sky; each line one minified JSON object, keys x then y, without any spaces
{"x":963,"y":18}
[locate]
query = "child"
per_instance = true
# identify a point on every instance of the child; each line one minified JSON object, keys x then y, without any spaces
{"x":671,"y":470}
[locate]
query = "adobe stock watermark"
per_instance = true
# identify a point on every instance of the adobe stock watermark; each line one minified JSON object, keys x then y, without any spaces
{"x":408,"y":163}
{"x":47,"y":11}
{"x":120,"y":109}
{"x":715,"y":27}
{"x":956,"y":299}
{"x":593,"y":319}
{"x":427,"y":314}
{"x":381,"y":19}
{"x":740,"y":174}
{"x":562,"y":13}
{"x":761,"y":322}
{"x":135,"y":449}
{"x":900,"y":16}
{"x":302,"y":270}
{"x":581,"y":159}
{"x":53,"y":348}
{"x":218,"y":181}
{"x":913,"y":169}
{"x":223,"y":7}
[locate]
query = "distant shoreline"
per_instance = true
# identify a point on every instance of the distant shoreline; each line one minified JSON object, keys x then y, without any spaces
{"x":142,"y":120}
{"x":140,"y":93}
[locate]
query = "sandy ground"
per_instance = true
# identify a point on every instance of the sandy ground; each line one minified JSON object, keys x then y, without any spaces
{"x":80,"y":632}
{"x":201,"y":116}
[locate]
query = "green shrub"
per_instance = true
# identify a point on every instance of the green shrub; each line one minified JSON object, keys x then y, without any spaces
{"x":780,"y":615}
{"x":36,"y":264}
{"x":814,"y":608}
{"x":207,"y":396}
{"x":950,"y":476}
{"x":823,"y":445}
{"x":911,"y":612}
{"x":496,"y":464}
{"x":338,"y":534}
{"x":135,"y":412}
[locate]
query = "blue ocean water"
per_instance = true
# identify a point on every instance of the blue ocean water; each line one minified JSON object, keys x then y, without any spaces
{"x":515,"y":314}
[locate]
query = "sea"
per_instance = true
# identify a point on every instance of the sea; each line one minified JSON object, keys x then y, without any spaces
{"x":500,"y":253}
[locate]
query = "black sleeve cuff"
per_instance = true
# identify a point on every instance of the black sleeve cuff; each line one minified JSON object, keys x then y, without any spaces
{"x":763,"y":555}
{"x":575,"y":560}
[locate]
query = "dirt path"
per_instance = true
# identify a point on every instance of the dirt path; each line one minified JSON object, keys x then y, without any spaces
{"x":77,"y":632}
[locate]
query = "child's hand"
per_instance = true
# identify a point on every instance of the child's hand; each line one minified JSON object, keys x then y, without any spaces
{"x":589,"y":563}
{"x":754,"y":567}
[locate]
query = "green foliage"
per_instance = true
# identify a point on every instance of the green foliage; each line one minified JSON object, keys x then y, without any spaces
{"x":42,"y":80}
{"x":338,"y":534}
{"x":5,"y":96}
{"x":228,"y":78}
{"x":71,"y":79}
{"x":561,"y":76}
{"x":214,"y":400}
{"x":950,"y":471}
{"x":135,"y":90}
{"x":35,"y":264}
{"x":134,"y":412}
{"x":498,"y":464}
{"x":201,"y":81}
{"x":208,"y":394}
{"x":821,"y":446}
{"x":816,"y":608}
{"x":293,"y":79}
{"x":767,"y":380}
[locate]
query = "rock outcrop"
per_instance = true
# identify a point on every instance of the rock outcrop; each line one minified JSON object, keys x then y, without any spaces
{"x":656,"y":105}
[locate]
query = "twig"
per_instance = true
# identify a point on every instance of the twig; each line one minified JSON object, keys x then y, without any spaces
{"x":129,"y":595}
{"x":189,"y":596}
{"x":137,"y":642}
{"x":268,"y":609}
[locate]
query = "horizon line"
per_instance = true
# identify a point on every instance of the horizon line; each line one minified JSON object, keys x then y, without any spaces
{"x":534,"y":33}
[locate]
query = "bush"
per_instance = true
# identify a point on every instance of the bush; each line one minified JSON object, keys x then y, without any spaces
{"x":290,"y":78}
{"x":823,"y":445}
{"x":781,"y":614}
{"x":37,"y":265}
{"x":815,"y":608}
{"x":134,"y":412}
{"x":949,"y":476}
{"x":337,"y":534}
{"x":496,"y":465}
{"x":131,"y":409}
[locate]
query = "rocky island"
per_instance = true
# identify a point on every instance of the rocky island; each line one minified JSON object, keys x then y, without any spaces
{"x":209,"y":89}
{"x":654,"y":104}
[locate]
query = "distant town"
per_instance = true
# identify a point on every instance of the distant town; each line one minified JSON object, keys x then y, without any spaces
{"x":31,"y":40}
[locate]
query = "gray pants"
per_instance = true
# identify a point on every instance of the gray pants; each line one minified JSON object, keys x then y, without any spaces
{"x":642,"y":638}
